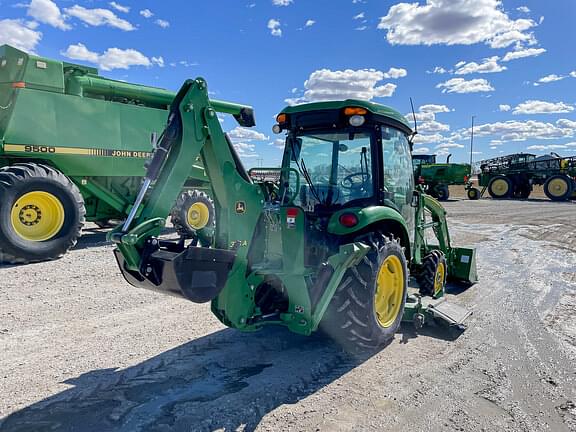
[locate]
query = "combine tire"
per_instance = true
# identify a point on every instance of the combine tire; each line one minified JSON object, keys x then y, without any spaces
{"x":431,"y":276}
{"x":559,"y":188}
{"x":442,"y":192}
{"x":41,"y":213}
{"x":500,"y":187}
{"x":192,"y":213}
{"x":473,"y":194}
{"x":368,"y":305}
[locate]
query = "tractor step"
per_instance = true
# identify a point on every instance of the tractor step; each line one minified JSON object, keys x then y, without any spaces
{"x":422,"y":311}
{"x":450,"y":313}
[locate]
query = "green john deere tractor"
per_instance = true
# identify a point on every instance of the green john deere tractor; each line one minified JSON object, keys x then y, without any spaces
{"x":436,"y":177}
{"x":331,"y":245}
{"x":72,"y":148}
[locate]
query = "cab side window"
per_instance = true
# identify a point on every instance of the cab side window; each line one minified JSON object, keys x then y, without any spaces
{"x":398,"y":171}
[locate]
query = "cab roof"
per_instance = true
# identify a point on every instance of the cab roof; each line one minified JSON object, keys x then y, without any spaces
{"x":378,"y":109}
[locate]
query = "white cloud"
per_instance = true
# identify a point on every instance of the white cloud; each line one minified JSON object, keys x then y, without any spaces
{"x":112,"y":58}
{"x":488,"y":65}
{"x":433,"y":108}
{"x":438,"y":70}
{"x":449,"y":145}
{"x":428,"y":139}
{"x":120,"y":7}
{"x":421,"y":150}
{"x":522,"y":53}
{"x":523,"y":9}
{"x":550,"y":78}
{"x":460,"y":85}
{"x":47,"y":12}
{"x":309,"y":23}
{"x":550,"y":147}
{"x":146,"y":13}
{"x":361,"y":28}
{"x":158,"y":61}
{"x":453,"y":22}
{"x":245,"y":134}
{"x":431,"y":127}
{"x":162,"y":23}
{"x":542,"y":107}
{"x":243,"y":141}
{"x":80,"y":52}
{"x":504,"y":107}
{"x":326,"y":84}
{"x":274,"y":26}
{"x":278,"y":143}
{"x":359,"y":16}
{"x":17,"y":34}
{"x":394,"y":73}
{"x":513,"y":130}
{"x":282,"y":2}
{"x":99,"y":17}
{"x":573,"y":74}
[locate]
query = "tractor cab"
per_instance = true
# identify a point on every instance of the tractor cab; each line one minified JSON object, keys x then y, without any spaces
{"x":343,"y":157}
{"x":421,"y":159}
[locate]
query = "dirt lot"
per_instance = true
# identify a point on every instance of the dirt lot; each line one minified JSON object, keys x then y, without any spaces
{"x":81,"y":351}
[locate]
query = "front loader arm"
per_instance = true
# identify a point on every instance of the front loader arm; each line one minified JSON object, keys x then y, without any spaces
{"x":461,"y":261}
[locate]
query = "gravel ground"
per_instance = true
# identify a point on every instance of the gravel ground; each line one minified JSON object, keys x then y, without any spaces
{"x":82,"y":351}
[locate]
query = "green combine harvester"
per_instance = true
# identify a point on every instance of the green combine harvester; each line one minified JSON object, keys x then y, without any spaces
{"x":326,"y":241}
{"x":436,"y":177}
{"x":513,"y":176}
{"x":72,"y":148}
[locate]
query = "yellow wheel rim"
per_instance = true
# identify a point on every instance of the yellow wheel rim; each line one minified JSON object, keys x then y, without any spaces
{"x":389,"y":291}
{"x":439,"y":279}
{"x":500,"y":187}
{"x":558,"y":187}
{"x":37,"y":216}
{"x":198,"y":215}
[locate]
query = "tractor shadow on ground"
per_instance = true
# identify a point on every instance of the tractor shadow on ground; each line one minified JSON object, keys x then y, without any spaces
{"x":226,"y":380}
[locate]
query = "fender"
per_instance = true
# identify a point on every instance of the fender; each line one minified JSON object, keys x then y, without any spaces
{"x":366,"y":217}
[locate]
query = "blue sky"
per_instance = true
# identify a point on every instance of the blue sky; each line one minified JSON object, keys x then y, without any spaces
{"x":511,"y":64}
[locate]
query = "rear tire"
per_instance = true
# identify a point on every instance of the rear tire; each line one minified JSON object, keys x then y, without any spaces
{"x":500,"y":187}
{"x":193,"y":213}
{"x":41,"y":213}
{"x":442,"y":192}
{"x":368,"y":305}
{"x":473,"y":194}
{"x":559,"y":187}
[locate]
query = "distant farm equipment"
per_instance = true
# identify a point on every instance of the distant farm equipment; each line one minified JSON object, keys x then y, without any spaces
{"x":72,"y":148}
{"x":513,"y":176}
{"x":436,"y":177}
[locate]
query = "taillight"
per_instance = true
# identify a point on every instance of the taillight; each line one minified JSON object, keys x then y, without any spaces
{"x":19,"y":84}
{"x":421,"y":180}
{"x":348,"y":220}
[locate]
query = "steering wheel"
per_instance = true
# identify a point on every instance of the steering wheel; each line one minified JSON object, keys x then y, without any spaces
{"x":348,"y":182}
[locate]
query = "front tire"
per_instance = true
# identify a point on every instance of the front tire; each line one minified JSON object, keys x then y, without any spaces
{"x":432,"y":274}
{"x":442,"y":192}
{"x":473,"y":194}
{"x":368,"y":305}
{"x":500,"y":187}
{"x":41,"y":213}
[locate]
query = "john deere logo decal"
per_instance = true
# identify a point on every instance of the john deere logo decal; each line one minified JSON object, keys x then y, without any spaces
{"x":240,"y":207}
